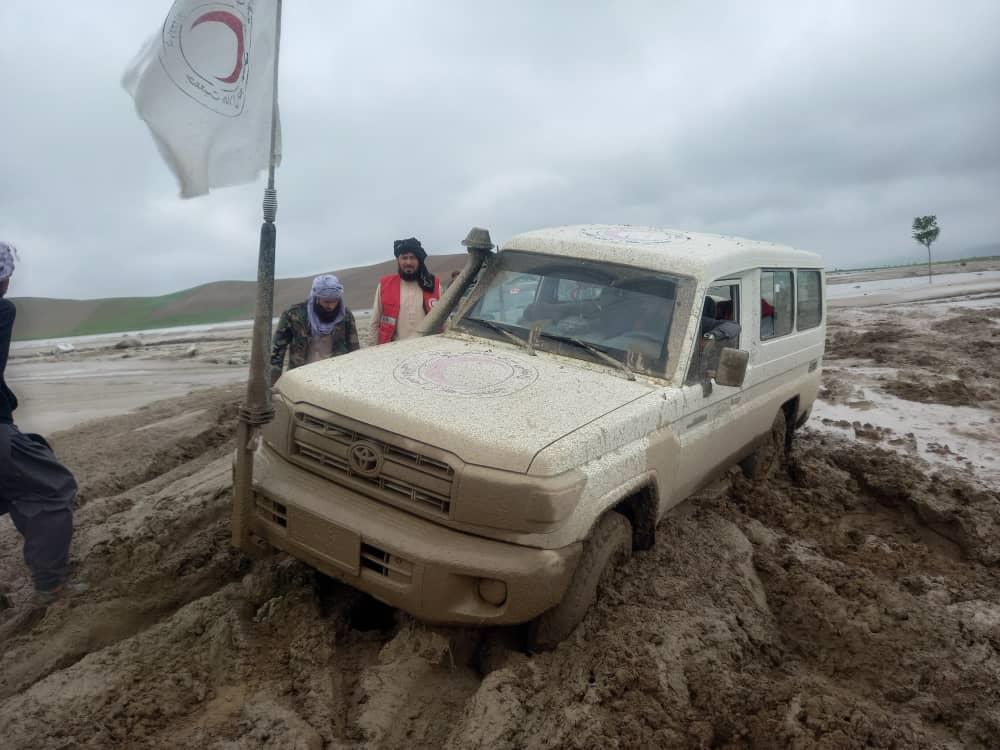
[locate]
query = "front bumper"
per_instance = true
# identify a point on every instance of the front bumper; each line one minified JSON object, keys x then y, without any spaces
{"x":430,"y":571}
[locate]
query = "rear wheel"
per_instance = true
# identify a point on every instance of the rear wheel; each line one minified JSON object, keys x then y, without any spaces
{"x":608,"y":547}
{"x":760,"y":465}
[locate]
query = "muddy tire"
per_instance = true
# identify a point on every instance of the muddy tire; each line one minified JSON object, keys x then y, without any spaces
{"x":609,"y":546}
{"x":770,"y":455}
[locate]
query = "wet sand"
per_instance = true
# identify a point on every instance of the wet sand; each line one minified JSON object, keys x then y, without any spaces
{"x":58,"y":391}
{"x":60,"y":395}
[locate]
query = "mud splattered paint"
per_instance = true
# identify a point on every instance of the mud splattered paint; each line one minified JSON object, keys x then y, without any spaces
{"x":474,"y":374}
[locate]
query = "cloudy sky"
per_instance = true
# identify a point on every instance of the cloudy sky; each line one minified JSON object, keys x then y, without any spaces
{"x":824,"y":125}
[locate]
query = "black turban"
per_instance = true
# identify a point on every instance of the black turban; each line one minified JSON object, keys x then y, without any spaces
{"x":412,"y":245}
{"x":409,"y":245}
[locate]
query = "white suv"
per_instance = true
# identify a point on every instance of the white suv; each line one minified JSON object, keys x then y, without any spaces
{"x":592,"y":378}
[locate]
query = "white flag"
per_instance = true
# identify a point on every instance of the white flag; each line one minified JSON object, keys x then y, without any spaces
{"x":204,"y":86}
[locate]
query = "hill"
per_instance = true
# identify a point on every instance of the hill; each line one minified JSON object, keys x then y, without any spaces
{"x":217,"y":302}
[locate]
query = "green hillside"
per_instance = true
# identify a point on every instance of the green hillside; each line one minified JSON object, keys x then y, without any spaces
{"x":217,"y":302}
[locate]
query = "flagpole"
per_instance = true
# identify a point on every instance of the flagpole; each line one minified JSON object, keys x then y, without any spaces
{"x":256,"y":409}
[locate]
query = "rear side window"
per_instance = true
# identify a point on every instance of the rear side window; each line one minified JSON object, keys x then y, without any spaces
{"x":810,"y":299}
{"x":777,"y":304}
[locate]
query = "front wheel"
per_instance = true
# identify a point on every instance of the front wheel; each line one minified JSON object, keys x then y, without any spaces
{"x":760,"y":465}
{"x":608,"y":547}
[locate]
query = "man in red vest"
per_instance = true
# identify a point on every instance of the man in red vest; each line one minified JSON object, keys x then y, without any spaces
{"x":403,"y":299}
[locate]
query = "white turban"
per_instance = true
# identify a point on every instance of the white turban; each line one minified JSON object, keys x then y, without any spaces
{"x":325,"y":287}
{"x":8,"y":254}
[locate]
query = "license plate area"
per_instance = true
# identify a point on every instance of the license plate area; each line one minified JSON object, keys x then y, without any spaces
{"x":340,"y":546}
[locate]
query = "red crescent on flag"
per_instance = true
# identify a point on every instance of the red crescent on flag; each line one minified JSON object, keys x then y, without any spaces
{"x":236,"y":26}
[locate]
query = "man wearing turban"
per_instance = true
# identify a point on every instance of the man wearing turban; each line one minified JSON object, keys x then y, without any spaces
{"x":35,"y":488}
{"x":404,"y":298}
{"x":318,"y":328}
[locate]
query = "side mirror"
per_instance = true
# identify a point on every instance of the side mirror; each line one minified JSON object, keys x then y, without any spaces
{"x":732,"y":370}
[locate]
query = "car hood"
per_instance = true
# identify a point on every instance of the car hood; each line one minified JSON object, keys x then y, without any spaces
{"x":487,"y":403}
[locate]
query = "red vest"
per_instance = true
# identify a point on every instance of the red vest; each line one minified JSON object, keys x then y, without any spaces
{"x":389,"y":295}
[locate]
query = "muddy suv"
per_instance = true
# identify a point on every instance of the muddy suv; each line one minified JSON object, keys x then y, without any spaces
{"x":590,"y":379}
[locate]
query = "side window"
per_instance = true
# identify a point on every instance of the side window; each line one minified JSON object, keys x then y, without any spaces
{"x":719,"y":328}
{"x":777,"y":304}
{"x":809,"y":311}
{"x":727,"y":301}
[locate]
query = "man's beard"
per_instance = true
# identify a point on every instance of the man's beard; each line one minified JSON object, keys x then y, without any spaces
{"x":409,"y":275}
{"x":325,"y":316}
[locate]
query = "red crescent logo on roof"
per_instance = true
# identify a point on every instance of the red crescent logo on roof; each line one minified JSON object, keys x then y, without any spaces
{"x":236,"y":26}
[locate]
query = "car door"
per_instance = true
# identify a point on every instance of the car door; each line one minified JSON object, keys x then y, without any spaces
{"x":706,"y":436}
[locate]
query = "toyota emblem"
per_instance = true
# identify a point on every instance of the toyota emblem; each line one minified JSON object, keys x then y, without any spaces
{"x":365,"y":459}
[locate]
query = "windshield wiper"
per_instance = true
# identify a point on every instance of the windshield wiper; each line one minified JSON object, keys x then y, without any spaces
{"x":600,"y":353}
{"x":500,"y":329}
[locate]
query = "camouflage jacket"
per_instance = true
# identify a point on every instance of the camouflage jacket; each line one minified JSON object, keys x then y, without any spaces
{"x":292,"y":334}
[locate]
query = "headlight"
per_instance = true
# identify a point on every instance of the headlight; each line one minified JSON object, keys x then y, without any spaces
{"x":516,"y":502}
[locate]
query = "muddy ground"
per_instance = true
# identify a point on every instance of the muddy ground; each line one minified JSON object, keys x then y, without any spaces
{"x":851,"y":601}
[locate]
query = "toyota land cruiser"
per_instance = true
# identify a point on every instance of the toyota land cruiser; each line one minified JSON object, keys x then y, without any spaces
{"x":590,"y":379}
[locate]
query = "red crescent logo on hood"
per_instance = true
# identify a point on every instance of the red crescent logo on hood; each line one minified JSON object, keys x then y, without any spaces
{"x":236,"y":26}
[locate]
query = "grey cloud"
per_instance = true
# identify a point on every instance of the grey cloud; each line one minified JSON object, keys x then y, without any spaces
{"x":827,"y":126}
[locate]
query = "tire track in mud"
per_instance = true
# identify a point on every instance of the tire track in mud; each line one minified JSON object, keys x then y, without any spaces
{"x":110,"y":456}
{"x":417,"y":688}
{"x":141,"y":565}
{"x":140,"y":568}
{"x":397,"y":683}
{"x":887,"y":592}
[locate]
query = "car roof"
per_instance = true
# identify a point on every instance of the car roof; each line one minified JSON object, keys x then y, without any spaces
{"x":703,"y":256}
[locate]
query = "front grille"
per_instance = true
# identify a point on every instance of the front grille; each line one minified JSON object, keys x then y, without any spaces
{"x":405,"y":478}
{"x":271,"y":511}
{"x":386,"y":564}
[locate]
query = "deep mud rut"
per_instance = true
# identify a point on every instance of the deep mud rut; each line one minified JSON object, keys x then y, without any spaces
{"x":851,"y":601}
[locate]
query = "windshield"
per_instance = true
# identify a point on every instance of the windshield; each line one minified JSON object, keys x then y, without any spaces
{"x":574,"y":307}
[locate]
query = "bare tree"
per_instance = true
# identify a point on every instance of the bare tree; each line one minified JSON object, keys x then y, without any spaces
{"x":925,"y":231}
